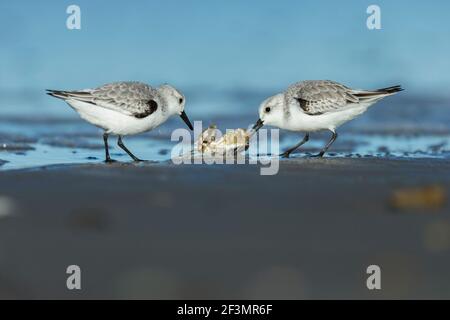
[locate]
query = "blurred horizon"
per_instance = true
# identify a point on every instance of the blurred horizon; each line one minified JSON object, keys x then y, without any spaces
{"x":211,"y":48}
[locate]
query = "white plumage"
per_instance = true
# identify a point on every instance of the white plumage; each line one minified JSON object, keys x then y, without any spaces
{"x":114,"y":122}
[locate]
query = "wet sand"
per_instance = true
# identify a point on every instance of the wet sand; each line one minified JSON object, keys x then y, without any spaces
{"x":156,"y":230}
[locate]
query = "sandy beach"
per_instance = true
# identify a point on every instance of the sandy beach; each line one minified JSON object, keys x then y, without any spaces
{"x":364,"y":84}
{"x":156,"y":230}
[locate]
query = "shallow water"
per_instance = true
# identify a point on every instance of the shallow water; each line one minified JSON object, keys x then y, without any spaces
{"x":403,"y":126}
{"x":62,"y":148}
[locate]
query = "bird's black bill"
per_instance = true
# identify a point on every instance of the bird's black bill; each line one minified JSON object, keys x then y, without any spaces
{"x":258,"y":125}
{"x":186,"y":120}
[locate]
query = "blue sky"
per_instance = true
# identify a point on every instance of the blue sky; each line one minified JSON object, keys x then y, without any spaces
{"x":225,"y":44}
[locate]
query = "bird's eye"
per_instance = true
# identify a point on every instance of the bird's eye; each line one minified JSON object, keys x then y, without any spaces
{"x":268,"y":109}
{"x":181,"y":100}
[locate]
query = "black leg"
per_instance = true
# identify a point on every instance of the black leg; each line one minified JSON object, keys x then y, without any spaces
{"x":289,"y":151}
{"x":333,"y":138}
{"x":120,"y":144}
{"x":105,"y":140}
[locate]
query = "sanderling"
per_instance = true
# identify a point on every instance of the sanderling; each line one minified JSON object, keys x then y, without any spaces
{"x":125,"y":108}
{"x":315,"y":105}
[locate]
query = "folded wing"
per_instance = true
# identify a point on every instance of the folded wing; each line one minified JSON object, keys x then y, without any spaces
{"x":317,"y":97}
{"x":129,"y":98}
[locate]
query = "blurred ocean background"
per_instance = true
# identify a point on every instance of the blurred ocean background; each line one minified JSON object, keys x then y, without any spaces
{"x":226,"y":56}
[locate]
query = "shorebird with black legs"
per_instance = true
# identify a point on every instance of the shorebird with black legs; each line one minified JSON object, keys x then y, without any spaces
{"x":315,"y":105}
{"x":125,"y":108}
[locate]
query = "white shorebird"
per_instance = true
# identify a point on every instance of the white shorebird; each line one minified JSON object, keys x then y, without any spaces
{"x":315,"y":105}
{"x":125,"y":108}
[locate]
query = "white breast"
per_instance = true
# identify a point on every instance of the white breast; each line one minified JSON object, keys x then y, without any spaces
{"x":299,"y":121}
{"x":115,"y":122}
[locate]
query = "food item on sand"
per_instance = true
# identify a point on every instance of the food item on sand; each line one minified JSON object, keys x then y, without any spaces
{"x":207,"y":138}
{"x":233,"y":141}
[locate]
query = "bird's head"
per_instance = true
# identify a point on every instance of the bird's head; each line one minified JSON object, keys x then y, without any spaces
{"x":271,"y":112}
{"x":175,"y":102}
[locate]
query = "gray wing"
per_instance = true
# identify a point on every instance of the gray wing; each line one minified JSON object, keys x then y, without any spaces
{"x":130,"y":98}
{"x":321,"y":96}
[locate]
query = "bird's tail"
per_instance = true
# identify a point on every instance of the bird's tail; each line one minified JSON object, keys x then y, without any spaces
{"x":376,"y":94}
{"x":57,"y":93}
{"x":81,"y":95}
{"x":391,"y":90}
